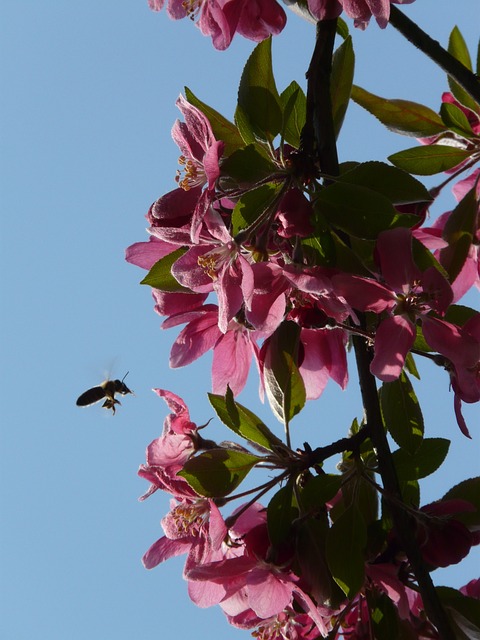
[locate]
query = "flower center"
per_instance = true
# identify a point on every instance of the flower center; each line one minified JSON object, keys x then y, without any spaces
{"x":192,"y":174}
{"x":213,"y":261}
{"x":189,"y":518}
{"x":192,"y":8}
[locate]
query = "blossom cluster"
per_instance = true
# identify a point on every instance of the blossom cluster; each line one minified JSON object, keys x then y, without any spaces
{"x":262,"y":256}
{"x":258,"y":19}
{"x":249,"y":241}
{"x":232,"y":562}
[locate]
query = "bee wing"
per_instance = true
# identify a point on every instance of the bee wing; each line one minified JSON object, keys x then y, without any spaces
{"x":91,"y":396}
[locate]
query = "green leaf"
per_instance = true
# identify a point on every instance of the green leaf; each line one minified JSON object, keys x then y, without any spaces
{"x":468,"y":490}
{"x":400,"y":116}
{"x":359,"y":211}
{"x":222,"y":128}
{"x":457,"y":47}
{"x":459,"y":231}
{"x":244,"y":126}
{"x":456,"y":120}
{"x":281,"y":512}
{"x":294,"y":106}
{"x":251,"y":205}
{"x":160,"y":275}
{"x":319,"y":490}
{"x":420,"y":343}
{"x":430,"y":159}
{"x":247,"y":165}
{"x":346,"y":541}
{"x":283,"y":382}
{"x":459,"y":314}
{"x":426,"y":460}
{"x":319,"y":249}
{"x":463,"y":611}
{"x":257,"y":95}
{"x":383,"y":616}
{"x":242,"y":421}
{"x":402,"y":414}
{"x":411,"y":367}
{"x":310,"y":554}
{"x":410,"y":490}
{"x":217,"y":472}
{"x":396,"y":185}
{"x":343,"y":64}
{"x":424,"y":258}
{"x":342,"y":28}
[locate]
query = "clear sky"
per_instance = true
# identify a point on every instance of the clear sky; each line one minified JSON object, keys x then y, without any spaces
{"x":88,"y":101}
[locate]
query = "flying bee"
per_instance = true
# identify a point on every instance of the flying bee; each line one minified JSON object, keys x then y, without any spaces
{"x":106,"y":390}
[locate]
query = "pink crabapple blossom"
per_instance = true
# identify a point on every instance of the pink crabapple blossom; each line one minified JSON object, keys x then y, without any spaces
{"x":410,"y":296}
{"x":469,"y":275}
{"x":200,"y":157}
{"x":221,"y":19}
{"x":359,"y":10}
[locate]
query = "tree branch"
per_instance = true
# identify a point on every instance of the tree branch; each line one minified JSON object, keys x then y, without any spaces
{"x":403,"y":525}
{"x":455,"y":69}
{"x":318,"y":140}
{"x":318,"y":135}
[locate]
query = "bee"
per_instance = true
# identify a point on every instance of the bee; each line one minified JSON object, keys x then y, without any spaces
{"x":106,"y":390}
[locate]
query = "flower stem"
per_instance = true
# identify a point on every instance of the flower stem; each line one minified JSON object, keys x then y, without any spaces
{"x":433,"y":49}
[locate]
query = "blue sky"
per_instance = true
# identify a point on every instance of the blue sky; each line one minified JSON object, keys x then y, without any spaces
{"x":88,"y":104}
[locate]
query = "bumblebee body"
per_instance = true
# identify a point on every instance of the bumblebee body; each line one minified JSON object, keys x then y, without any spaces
{"x":106,"y":390}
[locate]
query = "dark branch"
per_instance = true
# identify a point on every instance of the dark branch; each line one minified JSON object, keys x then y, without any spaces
{"x":402,"y":521}
{"x":433,"y":49}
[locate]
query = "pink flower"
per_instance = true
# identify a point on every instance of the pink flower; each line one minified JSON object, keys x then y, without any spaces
{"x":444,"y":540}
{"x":472,"y":589}
{"x":252,"y":582}
{"x":408,"y":296}
{"x":194,"y":524}
{"x":360,"y":10}
{"x":456,"y":139}
{"x":166,"y":455}
{"x":195,"y":527}
{"x":294,"y":214}
{"x":461,"y":347}
{"x":470,"y":273}
{"x":200,"y":157}
{"x":220,"y":266}
{"x":232,"y":351}
{"x":177,"y":443}
{"x":221,"y":19}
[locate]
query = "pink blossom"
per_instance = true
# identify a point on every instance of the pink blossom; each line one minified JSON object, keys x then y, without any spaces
{"x":408,"y":296}
{"x":195,"y":527}
{"x":470,"y":273}
{"x":232,"y":350}
{"x":267,"y":589}
{"x":194,"y":524}
{"x":221,"y":19}
{"x":166,"y":455}
{"x":444,"y":540}
{"x":200,"y":157}
{"x":360,"y":10}
{"x":177,"y":443}
{"x":461,"y":347}
{"x":456,"y":139}
{"x":222,"y":267}
{"x":294,"y":214}
{"x":472,"y":589}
